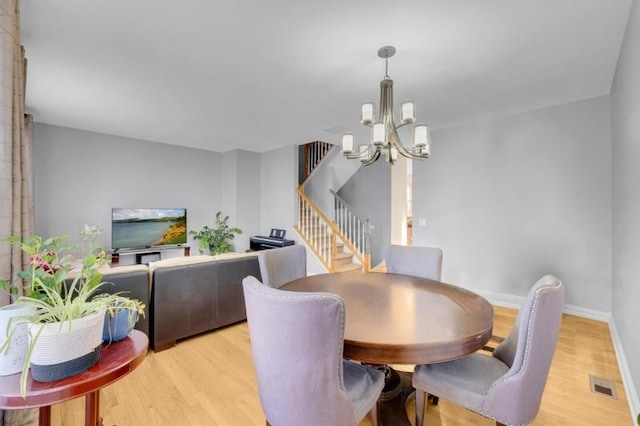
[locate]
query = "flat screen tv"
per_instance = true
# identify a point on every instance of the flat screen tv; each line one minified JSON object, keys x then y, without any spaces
{"x":141,"y":228}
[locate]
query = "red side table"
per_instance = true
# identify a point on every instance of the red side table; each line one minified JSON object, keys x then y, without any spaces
{"x":116,"y":361}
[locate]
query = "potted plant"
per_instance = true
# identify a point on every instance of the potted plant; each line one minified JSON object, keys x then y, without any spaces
{"x":120,"y":317}
{"x":66,"y":325}
{"x":216,"y":239}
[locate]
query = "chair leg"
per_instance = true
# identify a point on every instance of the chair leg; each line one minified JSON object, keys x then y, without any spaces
{"x":374,"y":414}
{"x":421,"y":399}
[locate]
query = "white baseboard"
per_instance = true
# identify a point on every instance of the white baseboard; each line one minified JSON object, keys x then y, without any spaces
{"x":514,"y":302}
{"x":587,"y":313}
{"x":629,"y":387}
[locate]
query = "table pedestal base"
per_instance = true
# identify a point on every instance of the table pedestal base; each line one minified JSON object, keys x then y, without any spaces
{"x":393,"y":411}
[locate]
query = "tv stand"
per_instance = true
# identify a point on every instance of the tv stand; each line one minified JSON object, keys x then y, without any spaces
{"x":144,"y":255}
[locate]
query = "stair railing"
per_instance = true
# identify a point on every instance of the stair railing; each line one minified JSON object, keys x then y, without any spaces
{"x":321,"y":233}
{"x":317,"y":231}
{"x":355,"y":232}
{"x":314,"y":152}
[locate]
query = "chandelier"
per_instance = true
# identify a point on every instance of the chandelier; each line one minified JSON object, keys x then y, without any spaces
{"x":384,"y":138}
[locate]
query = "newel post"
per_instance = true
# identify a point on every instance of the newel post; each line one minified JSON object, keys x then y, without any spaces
{"x":334,"y":247}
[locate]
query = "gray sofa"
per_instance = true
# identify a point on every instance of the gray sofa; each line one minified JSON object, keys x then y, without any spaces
{"x":191,"y":295}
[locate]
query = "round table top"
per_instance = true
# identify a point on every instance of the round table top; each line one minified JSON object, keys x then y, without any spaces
{"x":395,"y":319}
{"x":116,"y":361}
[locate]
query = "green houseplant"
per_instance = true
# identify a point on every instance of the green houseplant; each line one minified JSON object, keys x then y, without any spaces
{"x":216,"y":239}
{"x":64,"y":304}
{"x":121,"y":315}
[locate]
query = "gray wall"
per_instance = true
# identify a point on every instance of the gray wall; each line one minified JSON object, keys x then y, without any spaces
{"x":80,"y":176}
{"x":278,"y":180}
{"x":512,"y":198}
{"x":625,"y":126}
{"x":368,"y":192}
{"x":242,"y":194}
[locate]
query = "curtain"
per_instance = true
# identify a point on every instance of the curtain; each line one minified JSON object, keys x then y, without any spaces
{"x":16,"y":164}
{"x":16,"y":145}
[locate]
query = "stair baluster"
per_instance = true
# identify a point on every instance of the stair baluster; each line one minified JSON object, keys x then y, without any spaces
{"x":354,"y":229}
{"x":314,"y":152}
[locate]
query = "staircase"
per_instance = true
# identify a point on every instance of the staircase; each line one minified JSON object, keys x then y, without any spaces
{"x":342,"y":243}
{"x":330,"y":245}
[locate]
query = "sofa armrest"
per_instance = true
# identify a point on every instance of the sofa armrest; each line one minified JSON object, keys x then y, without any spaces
{"x":133,"y":282}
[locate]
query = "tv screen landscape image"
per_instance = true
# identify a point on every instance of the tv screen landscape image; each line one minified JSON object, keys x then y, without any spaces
{"x":137,"y":228}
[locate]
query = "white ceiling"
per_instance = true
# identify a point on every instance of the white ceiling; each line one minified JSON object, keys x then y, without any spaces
{"x":258,"y":75}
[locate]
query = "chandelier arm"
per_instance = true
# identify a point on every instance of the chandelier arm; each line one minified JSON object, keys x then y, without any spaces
{"x":353,"y":156}
{"x":410,"y":153}
{"x":373,"y":159}
{"x":402,"y":150}
{"x":413,"y":156}
{"x":395,"y":141}
{"x":357,"y":156}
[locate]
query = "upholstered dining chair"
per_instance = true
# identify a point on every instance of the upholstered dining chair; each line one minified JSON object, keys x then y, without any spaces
{"x":507,"y":385}
{"x":424,"y":262}
{"x":296,"y":342}
{"x":281,"y":265}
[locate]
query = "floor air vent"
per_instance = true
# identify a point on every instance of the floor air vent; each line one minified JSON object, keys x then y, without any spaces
{"x":603,"y":387}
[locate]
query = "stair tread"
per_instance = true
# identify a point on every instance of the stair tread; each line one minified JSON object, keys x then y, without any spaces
{"x":349,"y":267}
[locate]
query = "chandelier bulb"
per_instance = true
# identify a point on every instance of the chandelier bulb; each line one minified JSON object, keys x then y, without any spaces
{"x":347,"y":143}
{"x":408,"y":112}
{"x":368,"y":112}
{"x":378,"y":135}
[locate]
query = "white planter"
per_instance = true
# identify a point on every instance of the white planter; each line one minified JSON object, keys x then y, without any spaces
{"x":11,"y":326}
{"x":65,"y":349}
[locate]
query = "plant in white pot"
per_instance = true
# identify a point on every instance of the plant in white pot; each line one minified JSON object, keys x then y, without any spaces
{"x":65,"y":328}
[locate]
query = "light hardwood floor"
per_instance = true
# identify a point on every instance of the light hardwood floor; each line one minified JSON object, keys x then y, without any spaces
{"x":209,"y":380}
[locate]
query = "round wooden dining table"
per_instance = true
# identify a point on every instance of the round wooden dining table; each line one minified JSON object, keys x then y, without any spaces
{"x":402,"y":319}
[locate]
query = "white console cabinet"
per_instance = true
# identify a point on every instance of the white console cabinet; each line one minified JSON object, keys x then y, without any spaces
{"x":146,"y":255}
